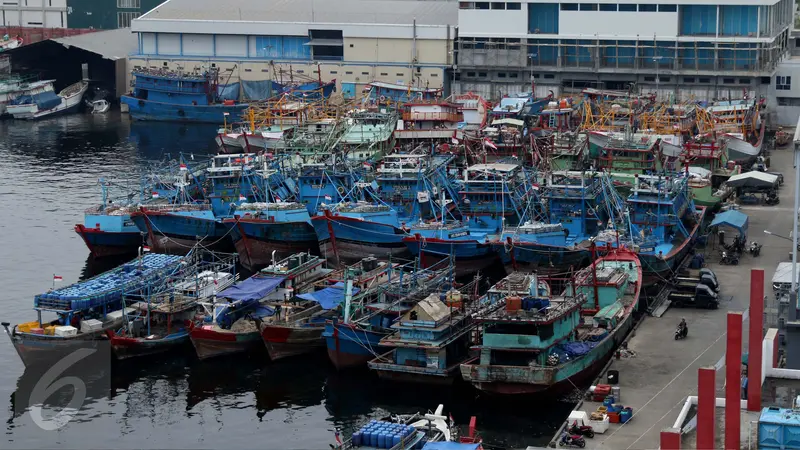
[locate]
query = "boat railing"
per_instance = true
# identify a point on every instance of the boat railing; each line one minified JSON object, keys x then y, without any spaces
{"x":178,"y":208}
{"x":444,"y":116}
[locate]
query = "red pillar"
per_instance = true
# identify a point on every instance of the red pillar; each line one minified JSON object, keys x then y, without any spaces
{"x":706,"y":404}
{"x":733,"y":382}
{"x":670,"y":439}
{"x":755,"y":339}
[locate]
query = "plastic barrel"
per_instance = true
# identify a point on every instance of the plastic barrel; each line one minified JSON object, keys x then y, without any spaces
{"x":373,"y":438}
{"x":382,"y":439}
{"x":356,"y":439}
{"x":395,"y":440}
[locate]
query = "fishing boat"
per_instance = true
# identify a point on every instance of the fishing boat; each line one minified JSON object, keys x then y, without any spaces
{"x":401,"y":432}
{"x":433,"y":339}
{"x":15,"y":86}
{"x":47,"y":103}
{"x":542,"y":343}
{"x":9,"y":43}
{"x":157,"y":323}
{"x":556,"y":240}
{"x":428,"y":122}
{"x":232,"y":327}
{"x":85,"y":310}
{"x":661,"y":224}
{"x":355,"y":339}
{"x":436,"y":241}
{"x":709,"y":169}
{"x":181,"y":97}
{"x":299,"y":330}
{"x":383,"y":93}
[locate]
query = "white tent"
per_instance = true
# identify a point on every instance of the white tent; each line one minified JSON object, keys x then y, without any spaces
{"x":753,"y":178}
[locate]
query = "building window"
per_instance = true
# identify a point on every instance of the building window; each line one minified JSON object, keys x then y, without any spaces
{"x":744,"y":80}
{"x":384,"y":74}
{"x":650,"y":79}
{"x":513,"y":75}
{"x":364,"y":73}
{"x":248,"y":70}
{"x":549,"y":76}
{"x":704,"y":80}
{"x":608,"y":6}
{"x":466,"y":5}
{"x":351,"y":45}
{"x":498,"y":5}
{"x":766,"y":80}
{"x":783,"y":83}
{"x":664,"y":79}
{"x":667,"y":8}
{"x":348,"y":73}
{"x":647,"y":8}
{"x":482,"y":5}
{"x":627,"y":8}
{"x":300,"y":71}
{"x":788,"y":101}
{"x":124,"y":18}
{"x":514,"y":6}
{"x":481,"y":74}
{"x":471,"y":74}
{"x":569,"y":6}
{"x":588,"y":7}
{"x":129,"y":4}
{"x":434,"y":75}
{"x":501,"y":75}
{"x":728,"y":81}
{"x":333,"y":72}
{"x":688,"y":79}
{"x":399,"y":74}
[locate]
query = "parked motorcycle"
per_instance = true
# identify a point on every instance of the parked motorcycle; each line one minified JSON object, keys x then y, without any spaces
{"x":755,"y":248}
{"x":729,"y":259}
{"x":582,"y":430}
{"x":681,"y":332}
{"x":572,"y":440}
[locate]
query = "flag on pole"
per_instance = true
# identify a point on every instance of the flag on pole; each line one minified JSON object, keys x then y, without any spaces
{"x":226,"y":114}
{"x":338,"y":439}
{"x":535,"y":187}
{"x":242,"y":198}
{"x":488,"y":142}
{"x":367,"y":165}
{"x":277,"y":199}
{"x":328,"y":198}
{"x":57,"y":278}
{"x":145,"y":249}
{"x":183,"y":167}
{"x":454,"y":141}
{"x":155,"y":194}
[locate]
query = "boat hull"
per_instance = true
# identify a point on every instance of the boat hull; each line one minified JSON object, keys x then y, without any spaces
{"x":283,"y":341}
{"x":128,"y":347}
{"x":352,"y":239}
{"x":109,"y":243}
{"x":350,"y":347}
{"x":544,"y":259}
{"x":470,"y":256}
{"x":255,"y":240}
{"x":173,"y":233}
{"x":40,"y":350}
{"x":212,"y":344}
{"x":171,"y":112}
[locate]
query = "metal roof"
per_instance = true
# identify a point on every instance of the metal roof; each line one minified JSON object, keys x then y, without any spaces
{"x":111,"y":44}
{"x":432,"y":13}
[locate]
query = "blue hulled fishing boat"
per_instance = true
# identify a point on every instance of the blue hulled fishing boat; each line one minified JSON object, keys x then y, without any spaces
{"x":180,"y":97}
{"x":541,"y":343}
{"x":85,"y":310}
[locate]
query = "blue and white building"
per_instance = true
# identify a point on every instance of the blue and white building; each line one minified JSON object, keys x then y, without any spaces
{"x":352,"y":41}
{"x":682,"y":47}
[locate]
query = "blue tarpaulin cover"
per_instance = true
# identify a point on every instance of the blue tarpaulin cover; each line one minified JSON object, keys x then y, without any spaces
{"x":257,"y":90}
{"x":733,"y":219}
{"x":228,"y":91}
{"x":328,"y":298}
{"x":253,"y":288}
{"x":449,"y":446}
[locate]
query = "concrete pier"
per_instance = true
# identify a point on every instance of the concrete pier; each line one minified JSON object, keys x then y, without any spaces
{"x":664,"y":372}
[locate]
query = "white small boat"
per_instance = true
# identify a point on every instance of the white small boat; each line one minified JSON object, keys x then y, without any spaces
{"x":10,"y":90}
{"x":100,"y":106}
{"x":10,"y":44}
{"x":47,"y":103}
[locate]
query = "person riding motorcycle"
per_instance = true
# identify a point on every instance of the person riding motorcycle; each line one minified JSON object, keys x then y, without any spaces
{"x":683,"y":327}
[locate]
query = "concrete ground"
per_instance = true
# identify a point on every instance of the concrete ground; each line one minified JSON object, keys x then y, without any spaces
{"x":663,"y":372}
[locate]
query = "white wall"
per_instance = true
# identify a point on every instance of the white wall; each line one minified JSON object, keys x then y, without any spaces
{"x":32,"y":18}
{"x":53,"y":19}
{"x":615,"y":23}
{"x":232,"y":45}
{"x":12,"y":18}
{"x":197,"y":44}
{"x":478,"y":22}
{"x":789,"y":68}
{"x":148,"y":43}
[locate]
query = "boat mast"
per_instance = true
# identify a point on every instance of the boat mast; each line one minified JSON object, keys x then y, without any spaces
{"x":594,"y":275}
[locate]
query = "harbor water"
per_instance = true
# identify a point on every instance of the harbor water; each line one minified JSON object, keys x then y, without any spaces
{"x":48,"y":177}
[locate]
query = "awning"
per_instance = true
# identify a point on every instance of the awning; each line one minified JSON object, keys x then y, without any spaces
{"x":328,"y":298}
{"x":734,"y":219}
{"x":508,"y":121}
{"x":253,"y":288}
{"x":326,"y":42}
{"x":753,"y":178}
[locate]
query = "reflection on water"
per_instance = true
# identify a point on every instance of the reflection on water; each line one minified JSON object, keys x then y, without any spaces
{"x":48,"y":176}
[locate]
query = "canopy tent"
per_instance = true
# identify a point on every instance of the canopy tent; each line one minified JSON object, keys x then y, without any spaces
{"x":508,"y":121}
{"x":753,"y":178}
{"x":328,"y":298}
{"x":253,"y":288}
{"x":734,"y":219}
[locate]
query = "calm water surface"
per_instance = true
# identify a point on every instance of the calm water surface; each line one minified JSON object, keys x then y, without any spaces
{"x":48,"y":176}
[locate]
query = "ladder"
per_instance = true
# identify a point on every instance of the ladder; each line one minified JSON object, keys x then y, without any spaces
{"x":553,"y":121}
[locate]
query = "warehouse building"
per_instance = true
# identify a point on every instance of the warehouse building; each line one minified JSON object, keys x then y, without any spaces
{"x":679,"y":47}
{"x":352,"y":41}
{"x":73,"y":14}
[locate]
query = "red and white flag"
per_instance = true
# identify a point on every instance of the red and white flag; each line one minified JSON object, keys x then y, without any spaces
{"x":226,"y":114}
{"x":535,"y":187}
{"x":57,"y":278}
{"x":155,"y":194}
{"x":367,"y":164}
{"x":328,"y":198}
{"x":242,"y":198}
{"x":277,"y":199}
{"x":145,"y":249}
{"x":183,"y":167}
{"x":488,"y":142}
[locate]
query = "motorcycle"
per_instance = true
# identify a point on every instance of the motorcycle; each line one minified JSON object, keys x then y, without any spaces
{"x":582,"y":430}
{"x":755,"y":248}
{"x":681,"y":332}
{"x":572,"y":440}
{"x":729,"y":259}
